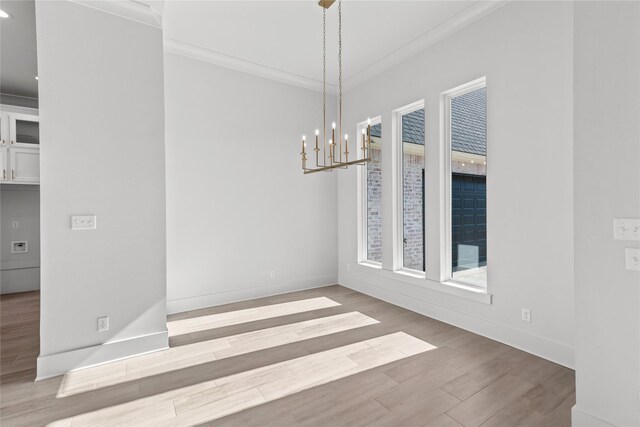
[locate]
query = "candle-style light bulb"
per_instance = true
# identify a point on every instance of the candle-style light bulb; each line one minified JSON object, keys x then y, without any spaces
{"x":331,"y":144}
{"x":317,"y":132}
{"x":304,"y":137}
{"x":363,"y":131}
{"x":368,"y":121}
{"x":346,"y":148}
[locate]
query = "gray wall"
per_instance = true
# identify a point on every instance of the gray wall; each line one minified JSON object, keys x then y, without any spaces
{"x":606,"y":186}
{"x":238,"y":205}
{"x":529,"y":72}
{"x":21,"y":204}
{"x":102,"y":153}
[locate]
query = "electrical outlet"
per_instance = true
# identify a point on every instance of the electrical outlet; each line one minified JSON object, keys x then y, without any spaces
{"x":526,"y":315}
{"x":626,"y":229}
{"x":103,"y":324}
{"x":632,"y":259}
{"x":272,"y":275}
{"x":83,"y":222}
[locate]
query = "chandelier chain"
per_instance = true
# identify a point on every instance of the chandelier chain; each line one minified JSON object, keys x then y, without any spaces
{"x":324,"y":78}
{"x":340,"y":56}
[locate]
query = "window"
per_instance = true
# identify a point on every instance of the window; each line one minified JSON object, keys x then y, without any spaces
{"x":370,"y":176}
{"x":409,"y":122}
{"x":466,"y":169}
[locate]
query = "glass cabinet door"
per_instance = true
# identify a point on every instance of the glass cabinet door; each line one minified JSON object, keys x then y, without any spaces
{"x":24,"y":129}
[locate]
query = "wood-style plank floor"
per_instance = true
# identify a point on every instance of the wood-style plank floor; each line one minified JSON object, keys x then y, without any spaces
{"x":323,"y":357}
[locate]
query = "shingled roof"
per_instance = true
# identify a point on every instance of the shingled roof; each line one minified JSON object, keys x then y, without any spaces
{"x":376,"y":130}
{"x":413,"y":127}
{"x":468,"y":124}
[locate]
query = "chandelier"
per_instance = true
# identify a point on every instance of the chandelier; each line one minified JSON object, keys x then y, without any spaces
{"x":330,"y":160}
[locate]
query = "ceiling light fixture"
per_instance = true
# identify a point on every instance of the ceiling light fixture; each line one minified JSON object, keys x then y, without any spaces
{"x":36,"y":77}
{"x":4,"y":14}
{"x":333,"y":161}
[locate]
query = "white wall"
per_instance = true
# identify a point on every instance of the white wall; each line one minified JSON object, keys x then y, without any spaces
{"x":238,"y":205}
{"x":102,"y":152}
{"x":21,"y":204}
{"x":606,"y":186}
{"x":525,"y":51}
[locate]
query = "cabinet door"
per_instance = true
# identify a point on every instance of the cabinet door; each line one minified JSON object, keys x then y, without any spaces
{"x":24,"y":130}
{"x":24,"y":165}
{"x":4,"y":173}
{"x":4,"y":129}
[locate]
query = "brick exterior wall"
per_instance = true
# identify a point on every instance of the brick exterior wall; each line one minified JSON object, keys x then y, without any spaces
{"x":413,"y":207}
{"x":413,"y":224}
{"x":374,"y":207}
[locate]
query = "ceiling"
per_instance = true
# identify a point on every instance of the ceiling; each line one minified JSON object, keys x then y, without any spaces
{"x":18,"y":61}
{"x":278,"y":36}
{"x":286,"y":36}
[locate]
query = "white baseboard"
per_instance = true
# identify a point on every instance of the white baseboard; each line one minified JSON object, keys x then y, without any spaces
{"x":539,"y":346}
{"x":209,"y":300}
{"x":52,"y":365}
{"x":579,"y":418}
{"x":19,"y":280}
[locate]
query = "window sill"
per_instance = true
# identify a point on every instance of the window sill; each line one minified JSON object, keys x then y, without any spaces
{"x":412,"y":273}
{"x":447,"y":287}
{"x":479,"y":294}
{"x":371,"y":264}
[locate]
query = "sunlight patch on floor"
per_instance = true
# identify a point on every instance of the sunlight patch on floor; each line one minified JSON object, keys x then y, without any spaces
{"x":219,"y":320}
{"x":213,"y":399}
{"x":189,"y":355}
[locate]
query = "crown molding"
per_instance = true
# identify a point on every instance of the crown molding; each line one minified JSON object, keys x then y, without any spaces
{"x":148,"y":12}
{"x":220,"y":59}
{"x":455,"y":23}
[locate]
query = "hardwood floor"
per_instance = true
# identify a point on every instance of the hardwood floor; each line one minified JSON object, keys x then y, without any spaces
{"x":323,"y":357}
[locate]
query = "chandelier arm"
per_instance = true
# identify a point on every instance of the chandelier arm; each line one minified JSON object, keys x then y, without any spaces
{"x":338,"y":166}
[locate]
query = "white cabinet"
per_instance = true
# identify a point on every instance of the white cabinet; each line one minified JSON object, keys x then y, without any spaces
{"x":4,"y":129}
{"x":25,"y":165}
{"x":19,"y":146}
{"x":3,"y":163}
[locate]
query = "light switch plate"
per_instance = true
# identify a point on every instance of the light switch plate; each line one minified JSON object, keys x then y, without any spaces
{"x":632,"y":259}
{"x":83,"y":222}
{"x":626,"y":229}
